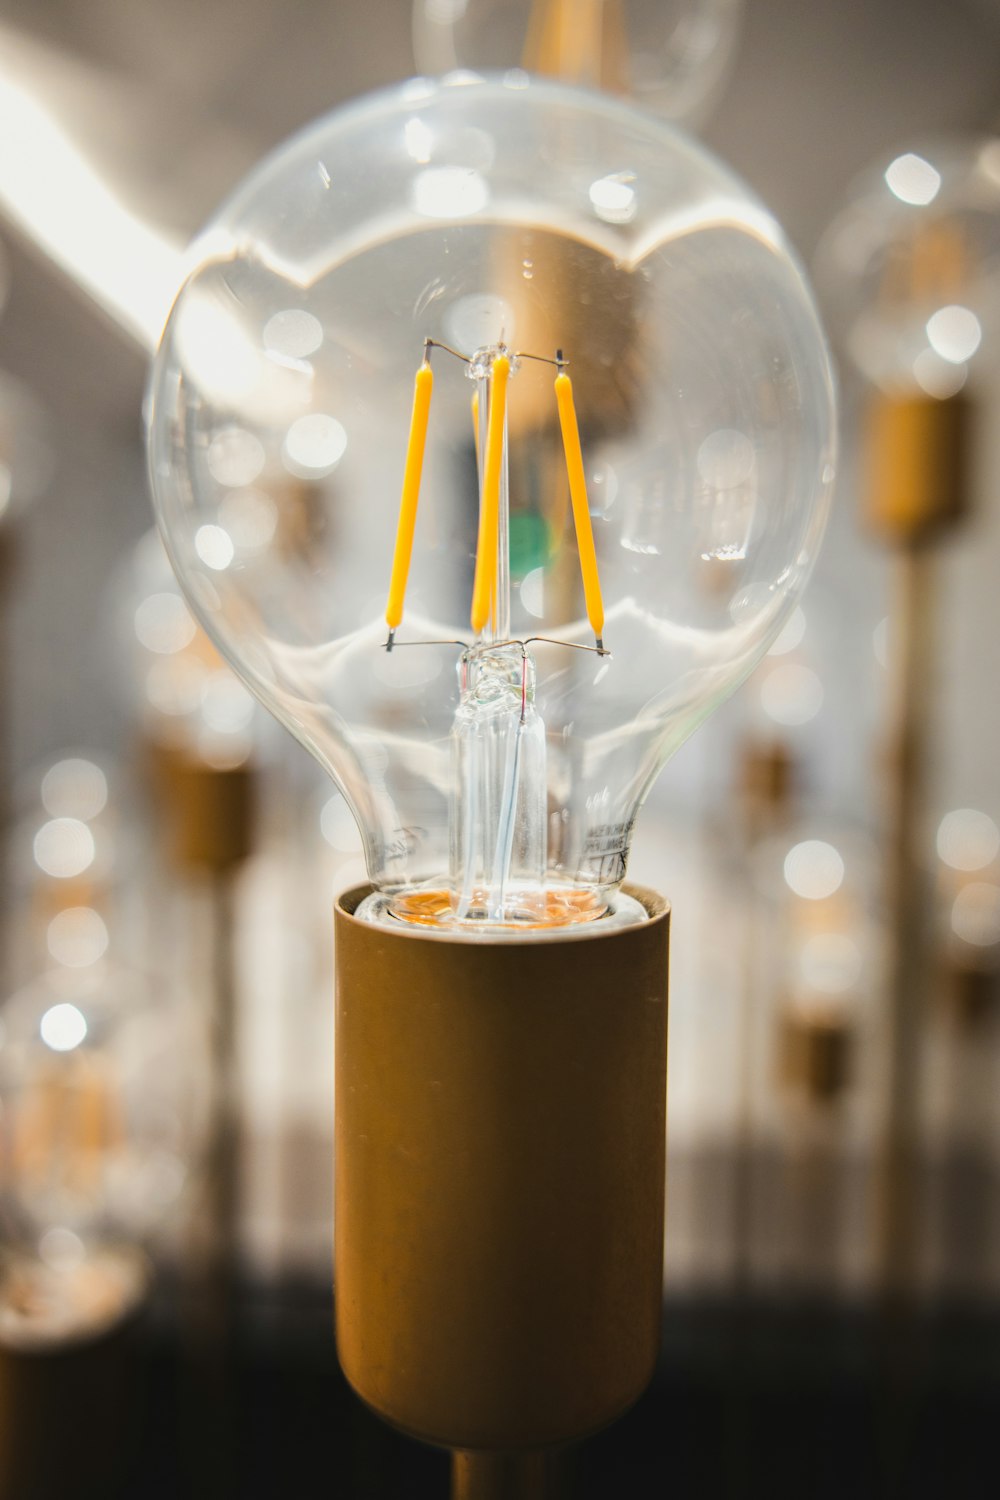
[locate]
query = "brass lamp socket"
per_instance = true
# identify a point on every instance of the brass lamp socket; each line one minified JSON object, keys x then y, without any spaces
{"x":767,"y":780}
{"x":208,"y":813}
{"x":917,"y":466}
{"x":500,"y":1137}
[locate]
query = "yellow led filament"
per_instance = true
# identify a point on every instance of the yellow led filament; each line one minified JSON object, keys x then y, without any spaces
{"x":581,"y":508}
{"x":422,"y":388}
{"x":489,"y":511}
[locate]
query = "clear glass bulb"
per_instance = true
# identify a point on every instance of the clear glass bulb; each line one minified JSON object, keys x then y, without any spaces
{"x":671,"y":56}
{"x":552,"y":647}
{"x":911,"y":265}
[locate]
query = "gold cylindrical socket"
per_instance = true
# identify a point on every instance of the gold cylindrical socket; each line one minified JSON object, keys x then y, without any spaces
{"x":500,"y":1143}
{"x":917,"y":465}
{"x":208,"y":812}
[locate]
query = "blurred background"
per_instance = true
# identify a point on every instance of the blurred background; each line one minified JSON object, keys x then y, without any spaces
{"x":830,"y":841}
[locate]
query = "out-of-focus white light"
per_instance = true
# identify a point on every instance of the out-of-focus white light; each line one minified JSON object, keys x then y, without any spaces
{"x":938,"y":377}
{"x":791,"y":635}
{"x":814,"y":870}
{"x":450,"y":192}
{"x":61,"y":1249}
{"x":989,"y":160}
{"x":173,"y":686}
{"x":64,"y":848}
{"x":223,"y":752}
{"x":314,"y":445}
{"x":226,"y":705}
{"x":292,"y":334}
{"x":250,"y":518}
{"x":215,"y":547}
{"x":913,"y":180}
{"x":613,"y":198}
{"x":49,"y":188}
{"x":418,"y":139}
{"x":532,"y":593}
{"x":445,"y":12}
{"x":968,"y":839}
{"x":955,"y":333}
{"x":214,"y":349}
{"x":603,"y":490}
{"x":164,"y":624}
{"x":975,"y":914}
{"x":235,"y":457}
{"x":880,"y":642}
{"x":77,"y":937}
{"x":63,"y":1027}
{"x":479,"y":318}
{"x":726,"y":459}
{"x":74,"y":788}
{"x":830,"y":963}
{"x":338,"y":826}
{"x":791,"y":694}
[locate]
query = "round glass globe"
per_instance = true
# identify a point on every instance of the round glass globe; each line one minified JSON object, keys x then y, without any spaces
{"x":512,"y":218}
{"x":671,"y":56}
{"x":910,"y":267}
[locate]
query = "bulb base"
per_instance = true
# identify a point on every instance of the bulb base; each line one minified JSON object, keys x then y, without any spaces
{"x":500,"y":1144}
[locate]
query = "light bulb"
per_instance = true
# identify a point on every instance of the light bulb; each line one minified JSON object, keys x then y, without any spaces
{"x":910,"y":268}
{"x":821,"y":886}
{"x":672,"y":56}
{"x":189,"y":701}
{"x":102,"y":1097}
{"x":575,"y":548}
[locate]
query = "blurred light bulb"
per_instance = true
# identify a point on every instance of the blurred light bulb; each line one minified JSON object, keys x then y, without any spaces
{"x":910,"y":268}
{"x":496,"y":757}
{"x":101,"y":1108}
{"x":190,"y":700}
{"x":672,"y":56}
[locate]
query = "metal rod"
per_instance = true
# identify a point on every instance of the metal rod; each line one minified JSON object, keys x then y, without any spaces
{"x":505,"y":1476}
{"x":912,"y":663}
